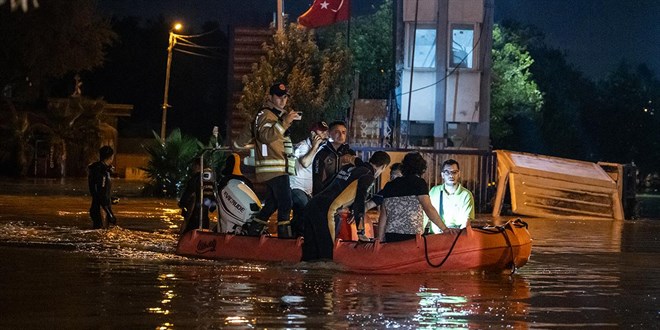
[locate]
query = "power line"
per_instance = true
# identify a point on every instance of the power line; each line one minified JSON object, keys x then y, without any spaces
{"x":412,"y":68}
{"x":197,"y":54}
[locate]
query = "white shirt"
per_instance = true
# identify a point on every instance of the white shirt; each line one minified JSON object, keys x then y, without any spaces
{"x":303,"y":178}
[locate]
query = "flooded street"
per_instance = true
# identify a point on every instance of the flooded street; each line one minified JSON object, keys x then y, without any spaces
{"x":56,"y":272}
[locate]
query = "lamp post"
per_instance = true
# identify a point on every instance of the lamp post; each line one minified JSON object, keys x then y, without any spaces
{"x":172,"y":42}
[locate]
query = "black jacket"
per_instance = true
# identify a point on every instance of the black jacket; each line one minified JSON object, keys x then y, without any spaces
{"x":98,"y":180}
{"x":361,"y":172}
{"x":326,"y":165}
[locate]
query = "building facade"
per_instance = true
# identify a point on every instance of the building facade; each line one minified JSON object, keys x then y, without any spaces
{"x":443,"y":62}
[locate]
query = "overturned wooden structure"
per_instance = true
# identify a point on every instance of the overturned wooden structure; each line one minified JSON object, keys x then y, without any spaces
{"x":551,"y":187}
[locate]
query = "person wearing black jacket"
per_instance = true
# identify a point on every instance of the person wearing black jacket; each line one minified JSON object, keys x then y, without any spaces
{"x":100,"y":188}
{"x":348,"y":189}
{"x":200,"y":183}
{"x":328,"y":159}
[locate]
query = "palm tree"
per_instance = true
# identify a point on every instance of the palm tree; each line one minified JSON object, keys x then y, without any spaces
{"x":14,"y":127}
{"x":75,"y":125}
{"x":167,"y":168}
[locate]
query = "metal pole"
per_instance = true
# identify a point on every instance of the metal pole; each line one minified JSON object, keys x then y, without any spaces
{"x":280,"y":16}
{"x":201,"y":189}
{"x":163,"y":122}
{"x":412,"y":72}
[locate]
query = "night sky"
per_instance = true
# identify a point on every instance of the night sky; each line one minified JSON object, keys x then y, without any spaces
{"x":595,"y":34}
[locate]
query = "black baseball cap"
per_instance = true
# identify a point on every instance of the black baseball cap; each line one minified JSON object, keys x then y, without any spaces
{"x":278,"y":89}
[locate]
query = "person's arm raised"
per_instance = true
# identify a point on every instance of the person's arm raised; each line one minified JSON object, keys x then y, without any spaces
{"x":308,"y":158}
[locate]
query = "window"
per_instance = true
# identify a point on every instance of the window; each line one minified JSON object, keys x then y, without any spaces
{"x":425,"y":42}
{"x":462,"y":46}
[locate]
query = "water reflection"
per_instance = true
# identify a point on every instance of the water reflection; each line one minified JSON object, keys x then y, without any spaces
{"x":595,"y":273}
{"x":316,"y":297}
{"x":431,"y":301}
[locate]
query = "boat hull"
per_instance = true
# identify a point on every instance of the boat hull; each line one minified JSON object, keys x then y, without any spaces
{"x":211,"y":245}
{"x":487,"y":248}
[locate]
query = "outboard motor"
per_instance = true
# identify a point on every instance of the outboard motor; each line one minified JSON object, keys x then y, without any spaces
{"x":238,"y":204}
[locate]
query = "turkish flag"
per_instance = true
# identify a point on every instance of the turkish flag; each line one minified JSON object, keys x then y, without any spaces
{"x":325,"y":12}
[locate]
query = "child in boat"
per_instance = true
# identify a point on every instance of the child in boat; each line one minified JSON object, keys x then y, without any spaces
{"x":405,"y":200}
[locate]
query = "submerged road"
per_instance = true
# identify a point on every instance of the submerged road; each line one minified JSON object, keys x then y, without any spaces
{"x":57,"y":272}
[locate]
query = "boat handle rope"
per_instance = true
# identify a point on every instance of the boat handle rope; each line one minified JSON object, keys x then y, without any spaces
{"x":426,"y":251}
{"x":498,"y":230}
{"x":502,"y":230}
{"x":508,"y":243}
{"x":520,"y":224}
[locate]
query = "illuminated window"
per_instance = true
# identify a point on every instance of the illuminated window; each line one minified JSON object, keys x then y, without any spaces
{"x":425,"y":42}
{"x":462,"y":46}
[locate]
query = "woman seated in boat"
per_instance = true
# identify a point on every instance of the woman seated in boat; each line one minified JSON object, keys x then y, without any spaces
{"x":405,"y":200}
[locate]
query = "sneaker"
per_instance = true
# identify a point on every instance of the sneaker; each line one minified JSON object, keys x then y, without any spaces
{"x":362,"y":237}
{"x":255,"y":227}
{"x":284,"y":231}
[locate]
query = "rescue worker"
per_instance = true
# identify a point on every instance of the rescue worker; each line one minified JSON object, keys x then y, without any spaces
{"x":274,"y":161}
{"x":348,"y":189}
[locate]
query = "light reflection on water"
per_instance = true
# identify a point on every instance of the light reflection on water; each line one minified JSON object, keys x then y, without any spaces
{"x":595,"y":273}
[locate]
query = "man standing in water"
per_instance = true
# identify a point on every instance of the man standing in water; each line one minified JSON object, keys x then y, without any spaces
{"x":100,"y":189}
{"x":454,"y":202}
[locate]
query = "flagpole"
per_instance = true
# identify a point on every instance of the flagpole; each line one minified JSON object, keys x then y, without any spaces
{"x":412,"y":71}
{"x":279,"y":21}
{"x":348,"y":26}
{"x":351,"y":110}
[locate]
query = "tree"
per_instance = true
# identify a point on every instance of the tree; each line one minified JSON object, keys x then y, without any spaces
{"x":75,"y":129}
{"x":566,"y":94}
{"x":516,"y":98}
{"x":372,"y":47}
{"x":623,"y":122}
{"x":71,"y":126}
{"x":59,"y":37}
{"x":168,"y":166}
{"x":319,"y":79}
{"x":14,"y":134}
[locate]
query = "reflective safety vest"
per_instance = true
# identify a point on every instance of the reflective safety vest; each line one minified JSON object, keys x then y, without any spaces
{"x":273,"y":149}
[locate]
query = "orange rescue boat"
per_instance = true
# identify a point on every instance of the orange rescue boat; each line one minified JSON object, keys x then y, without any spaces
{"x":206,"y":244}
{"x":492,"y":248}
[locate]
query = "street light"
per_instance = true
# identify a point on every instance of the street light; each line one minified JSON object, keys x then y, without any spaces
{"x":171,"y":44}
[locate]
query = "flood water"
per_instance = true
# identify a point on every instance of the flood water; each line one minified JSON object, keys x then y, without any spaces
{"x":57,"y":273}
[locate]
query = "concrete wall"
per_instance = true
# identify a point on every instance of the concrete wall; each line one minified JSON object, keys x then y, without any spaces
{"x":444,"y":95}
